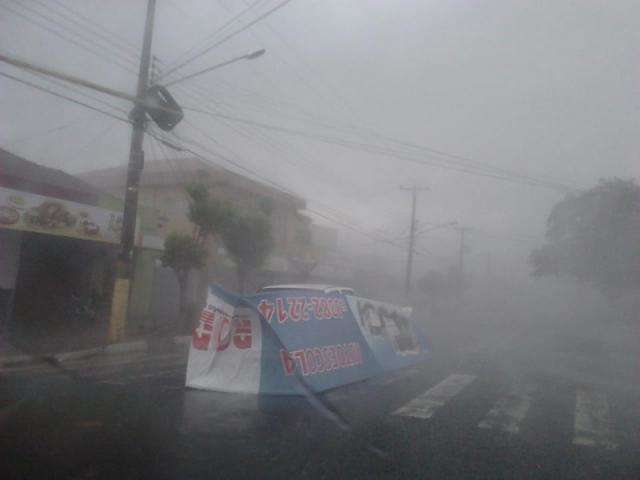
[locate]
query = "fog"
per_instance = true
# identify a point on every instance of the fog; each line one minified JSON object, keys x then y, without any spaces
{"x":546,"y":89}
{"x":489,"y":148}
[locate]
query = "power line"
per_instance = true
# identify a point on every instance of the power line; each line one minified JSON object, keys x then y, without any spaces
{"x":82,"y":46}
{"x":65,"y":97}
{"x":251,"y":137}
{"x":199,"y":96}
{"x":457,"y":157}
{"x":180,"y":173}
{"x":262,"y":177}
{"x":103,"y":112}
{"x":380,"y":150}
{"x":462,"y":164}
{"x":111,"y":34}
{"x":102,"y":134}
{"x":236,"y":164}
{"x":49,"y":131}
{"x":118,"y":37}
{"x":228,"y":37}
{"x":284,"y":190}
{"x":77,"y":81}
{"x":215,"y":32}
{"x":77,"y":91}
{"x":333,"y":140}
{"x":63,"y":37}
{"x":466,"y":162}
{"x":91,"y":31}
{"x":154,"y":152}
{"x":334,"y":93}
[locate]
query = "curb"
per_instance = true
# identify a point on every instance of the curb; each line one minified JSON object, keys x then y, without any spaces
{"x":139,"y":346}
{"x":17,"y":360}
{"x":91,"y":352}
{"x":113,"y":349}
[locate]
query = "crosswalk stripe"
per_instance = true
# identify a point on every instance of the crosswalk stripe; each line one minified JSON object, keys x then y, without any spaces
{"x":425,"y":405}
{"x":509,"y":411}
{"x":592,"y":425}
{"x":395,"y":377}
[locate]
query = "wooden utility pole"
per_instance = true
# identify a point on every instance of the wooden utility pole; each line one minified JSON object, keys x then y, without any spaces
{"x":124,"y":273}
{"x":412,"y":233}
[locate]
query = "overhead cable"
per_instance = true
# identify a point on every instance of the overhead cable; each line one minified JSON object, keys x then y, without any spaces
{"x":65,"y":97}
{"x":214,"y":33}
{"x":227,"y":37}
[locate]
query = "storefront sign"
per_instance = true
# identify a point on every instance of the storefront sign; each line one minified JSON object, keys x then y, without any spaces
{"x":37,"y":213}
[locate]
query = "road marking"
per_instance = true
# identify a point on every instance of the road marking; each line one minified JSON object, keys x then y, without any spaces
{"x":390,"y":379}
{"x":509,"y":411}
{"x":592,"y":425}
{"x":425,"y":405}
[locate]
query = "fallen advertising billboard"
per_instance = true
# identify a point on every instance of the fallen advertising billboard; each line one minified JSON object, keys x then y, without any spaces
{"x":272,"y":342}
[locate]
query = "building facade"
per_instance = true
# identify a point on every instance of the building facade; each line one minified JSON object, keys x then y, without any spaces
{"x":162,"y":188}
{"x":59,"y":240}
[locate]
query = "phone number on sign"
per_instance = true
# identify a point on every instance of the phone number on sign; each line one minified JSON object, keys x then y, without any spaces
{"x":315,"y":360}
{"x":294,"y":309}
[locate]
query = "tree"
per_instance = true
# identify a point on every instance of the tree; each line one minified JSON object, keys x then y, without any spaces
{"x":302,"y":258}
{"x":183,"y":253}
{"x":208,"y":215}
{"x":594,"y":236}
{"x":248,"y":240}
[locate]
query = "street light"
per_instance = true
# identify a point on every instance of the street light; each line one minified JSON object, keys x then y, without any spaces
{"x":248,"y":56}
{"x":256,"y":54}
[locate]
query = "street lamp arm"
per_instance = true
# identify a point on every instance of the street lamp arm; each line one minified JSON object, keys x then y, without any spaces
{"x":248,"y":56}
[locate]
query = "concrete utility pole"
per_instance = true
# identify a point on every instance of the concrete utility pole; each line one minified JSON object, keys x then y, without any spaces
{"x":462,"y":232}
{"x":124,"y":271}
{"x":412,"y":233}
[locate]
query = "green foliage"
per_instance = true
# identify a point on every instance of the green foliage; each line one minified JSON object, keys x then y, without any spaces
{"x":208,"y":214}
{"x":594,"y":236}
{"x":303,"y":235}
{"x":303,"y":257}
{"x":182,"y":253}
{"x":265,"y":204}
{"x":248,"y":240}
{"x":247,"y":237}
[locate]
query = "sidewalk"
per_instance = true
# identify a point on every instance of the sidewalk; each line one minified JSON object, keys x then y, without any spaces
{"x":11,"y":356}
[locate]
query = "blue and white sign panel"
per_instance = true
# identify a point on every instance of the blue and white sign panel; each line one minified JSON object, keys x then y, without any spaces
{"x":272,"y":342}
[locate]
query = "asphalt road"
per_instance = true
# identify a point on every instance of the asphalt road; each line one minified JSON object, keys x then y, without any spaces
{"x":477,"y":415}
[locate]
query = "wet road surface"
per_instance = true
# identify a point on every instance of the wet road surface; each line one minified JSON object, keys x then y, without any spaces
{"x":470,"y":416}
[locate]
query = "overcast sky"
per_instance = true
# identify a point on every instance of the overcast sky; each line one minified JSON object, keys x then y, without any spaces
{"x":546,"y":87}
